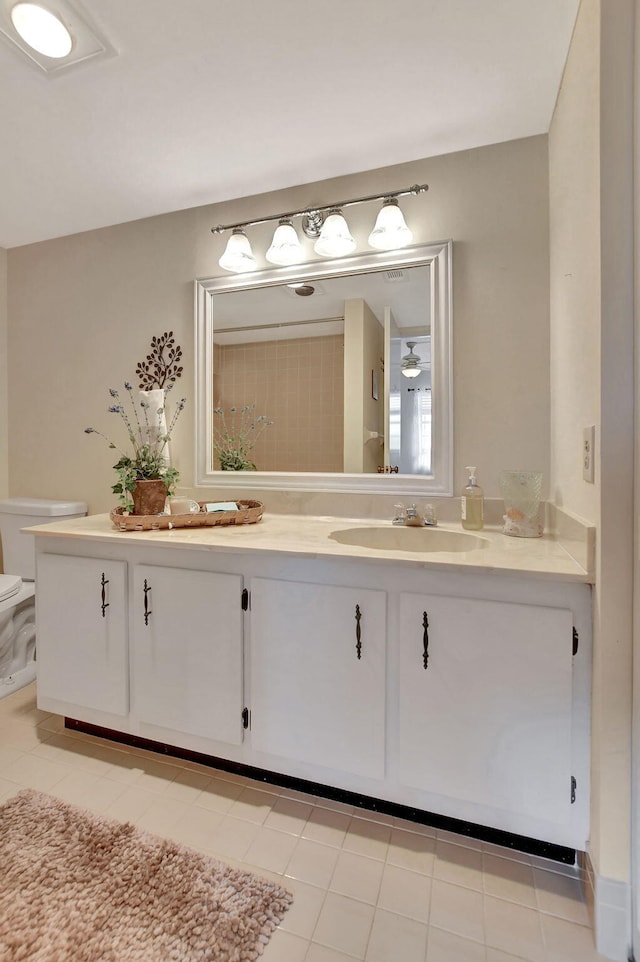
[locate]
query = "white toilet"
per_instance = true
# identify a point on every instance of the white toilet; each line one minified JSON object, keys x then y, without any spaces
{"x":17,"y":587}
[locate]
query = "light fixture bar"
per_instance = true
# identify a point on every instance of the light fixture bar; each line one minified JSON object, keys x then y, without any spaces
{"x":415,"y":190}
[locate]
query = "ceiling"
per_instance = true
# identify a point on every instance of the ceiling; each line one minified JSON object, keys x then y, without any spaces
{"x":278,"y":313}
{"x":207,"y":100}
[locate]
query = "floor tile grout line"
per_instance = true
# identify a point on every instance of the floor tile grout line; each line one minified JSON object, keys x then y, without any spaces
{"x":341,"y":951}
{"x":467,"y":938}
{"x":501,"y":948}
{"x":316,"y":801}
{"x":386,"y":859}
{"x":82,"y":768}
{"x":386,"y":862}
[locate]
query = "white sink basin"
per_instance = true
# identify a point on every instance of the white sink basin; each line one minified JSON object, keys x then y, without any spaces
{"x":409,"y":539}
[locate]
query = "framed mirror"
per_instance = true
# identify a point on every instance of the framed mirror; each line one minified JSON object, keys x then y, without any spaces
{"x":333,"y":375}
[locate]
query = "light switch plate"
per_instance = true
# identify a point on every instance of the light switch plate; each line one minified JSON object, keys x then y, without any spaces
{"x":588,"y":452}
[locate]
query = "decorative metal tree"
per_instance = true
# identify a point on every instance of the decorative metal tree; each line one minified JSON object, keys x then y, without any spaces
{"x":162,"y":364}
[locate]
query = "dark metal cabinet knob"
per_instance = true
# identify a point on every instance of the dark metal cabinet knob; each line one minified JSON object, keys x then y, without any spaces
{"x":104,"y":603}
{"x":358,"y":632}
{"x":147,"y":609}
{"x":425,"y":640}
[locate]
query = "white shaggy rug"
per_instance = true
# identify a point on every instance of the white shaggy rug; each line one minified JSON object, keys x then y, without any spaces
{"x":77,"y":887}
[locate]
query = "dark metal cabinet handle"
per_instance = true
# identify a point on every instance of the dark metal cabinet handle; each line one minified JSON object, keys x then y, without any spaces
{"x":425,"y":640}
{"x":104,"y":604}
{"x":358,"y":632}
{"x":147,"y":609}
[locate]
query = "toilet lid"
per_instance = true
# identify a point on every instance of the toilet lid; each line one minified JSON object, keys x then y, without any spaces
{"x":9,"y":585}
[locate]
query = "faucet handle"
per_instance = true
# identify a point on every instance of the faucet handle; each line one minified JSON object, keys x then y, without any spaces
{"x":429,"y":515}
{"x":400,"y":514}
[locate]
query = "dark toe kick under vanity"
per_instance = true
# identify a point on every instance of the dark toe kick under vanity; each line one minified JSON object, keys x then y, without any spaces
{"x":451,"y":688}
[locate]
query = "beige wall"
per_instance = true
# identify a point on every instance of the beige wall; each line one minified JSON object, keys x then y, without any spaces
{"x":574,"y":233}
{"x":614,"y":559}
{"x":82,"y":311}
{"x":4,"y":416}
{"x":591,"y":375}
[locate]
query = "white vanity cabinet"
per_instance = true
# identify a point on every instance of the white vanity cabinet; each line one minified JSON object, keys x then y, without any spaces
{"x":186,"y":651}
{"x":461,"y":693}
{"x":81,"y":616}
{"x":485,"y":702}
{"x":318,"y":674}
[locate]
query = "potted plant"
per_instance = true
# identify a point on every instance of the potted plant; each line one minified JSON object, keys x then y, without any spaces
{"x":233,"y":441}
{"x":145,"y":477}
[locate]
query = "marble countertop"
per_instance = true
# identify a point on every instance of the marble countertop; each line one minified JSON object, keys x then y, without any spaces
{"x":305,"y":536}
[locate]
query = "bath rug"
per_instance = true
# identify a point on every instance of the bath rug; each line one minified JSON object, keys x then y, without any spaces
{"x":78,"y":887}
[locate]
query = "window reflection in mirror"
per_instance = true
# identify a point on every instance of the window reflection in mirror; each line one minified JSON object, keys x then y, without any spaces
{"x":340,"y":370}
{"x":410,"y":434}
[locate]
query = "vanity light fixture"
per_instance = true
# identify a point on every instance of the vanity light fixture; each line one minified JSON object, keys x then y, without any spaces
{"x":238,"y":256}
{"x":335,"y":237}
{"x":390,"y":231}
{"x":325,"y":225}
{"x":41,"y":29}
{"x":285,"y":247}
{"x":410,"y":364}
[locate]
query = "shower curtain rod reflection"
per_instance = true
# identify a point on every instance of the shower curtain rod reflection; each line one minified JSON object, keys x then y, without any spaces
{"x":277,"y":325}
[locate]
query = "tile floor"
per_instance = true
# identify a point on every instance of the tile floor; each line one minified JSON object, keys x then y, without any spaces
{"x":366,"y":886}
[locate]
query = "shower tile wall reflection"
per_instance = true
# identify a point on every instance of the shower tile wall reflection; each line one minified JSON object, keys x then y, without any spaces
{"x":299,"y":385}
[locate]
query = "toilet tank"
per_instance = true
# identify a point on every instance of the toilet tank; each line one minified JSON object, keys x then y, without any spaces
{"x":18,"y":549}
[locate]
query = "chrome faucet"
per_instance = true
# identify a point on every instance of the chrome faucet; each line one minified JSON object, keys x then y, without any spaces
{"x":411,"y":517}
{"x":400,"y":515}
{"x":430,"y":518}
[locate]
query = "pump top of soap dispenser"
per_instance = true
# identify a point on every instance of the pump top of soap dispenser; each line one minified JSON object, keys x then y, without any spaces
{"x":472,"y":475}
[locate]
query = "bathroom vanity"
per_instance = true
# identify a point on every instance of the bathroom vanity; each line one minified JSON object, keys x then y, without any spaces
{"x":448,"y":676}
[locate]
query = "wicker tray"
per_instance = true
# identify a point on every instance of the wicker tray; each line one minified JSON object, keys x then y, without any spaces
{"x":249,"y":512}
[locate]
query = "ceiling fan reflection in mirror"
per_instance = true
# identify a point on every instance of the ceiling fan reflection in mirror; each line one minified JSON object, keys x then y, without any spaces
{"x":410,"y":364}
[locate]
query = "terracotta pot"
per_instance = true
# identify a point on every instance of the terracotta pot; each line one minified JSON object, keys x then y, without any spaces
{"x":149,"y":497}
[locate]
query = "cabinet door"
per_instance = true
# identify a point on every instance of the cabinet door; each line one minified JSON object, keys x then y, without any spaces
{"x":81,"y":638}
{"x":485,"y":702}
{"x":187,"y":651}
{"x":318,"y":674}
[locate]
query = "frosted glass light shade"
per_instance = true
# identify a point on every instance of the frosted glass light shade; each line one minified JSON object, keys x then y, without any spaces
{"x":410,"y":364}
{"x":41,"y":30}
{"x":335,"y":239}
{"x":285,"y":246}
{"x":238,"y":256}
{"x":390,"y":231}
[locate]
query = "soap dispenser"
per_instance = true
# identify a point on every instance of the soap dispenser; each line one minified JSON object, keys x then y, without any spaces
{"x":472,"y":503}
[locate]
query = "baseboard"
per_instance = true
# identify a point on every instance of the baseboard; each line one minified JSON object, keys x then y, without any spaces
{"x":609,"y":904}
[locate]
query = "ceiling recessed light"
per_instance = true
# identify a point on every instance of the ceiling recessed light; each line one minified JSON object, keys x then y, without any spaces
{"x":42,"y":30}
{"x":53,"y":35}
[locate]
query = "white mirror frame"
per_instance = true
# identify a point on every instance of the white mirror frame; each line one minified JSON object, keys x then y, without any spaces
{"x":440,"y":482}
